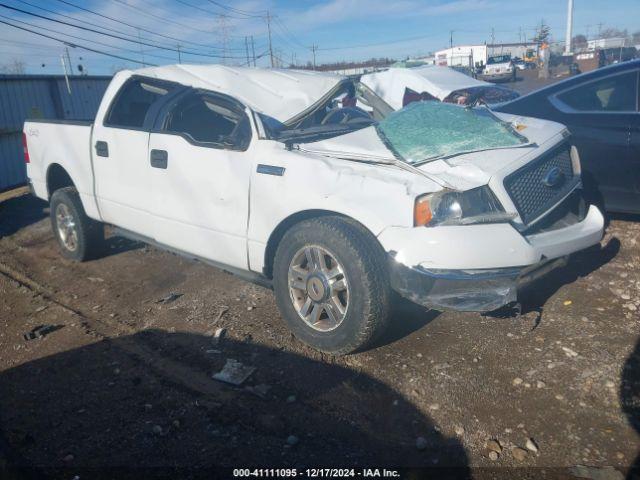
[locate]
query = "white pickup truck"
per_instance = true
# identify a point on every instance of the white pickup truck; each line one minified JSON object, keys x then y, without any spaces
{"x":287,"y":178}
{"x":499,"y":68}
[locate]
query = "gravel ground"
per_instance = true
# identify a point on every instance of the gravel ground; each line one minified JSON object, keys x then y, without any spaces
{"x":125,"y":379}
{"x":527,"y":80}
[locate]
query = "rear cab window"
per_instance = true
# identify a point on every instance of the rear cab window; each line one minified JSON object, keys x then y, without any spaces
{"x":133,"y":102}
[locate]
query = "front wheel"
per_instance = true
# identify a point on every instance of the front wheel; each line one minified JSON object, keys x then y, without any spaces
{"x":331,"y":284}
{"x":78,"y":236}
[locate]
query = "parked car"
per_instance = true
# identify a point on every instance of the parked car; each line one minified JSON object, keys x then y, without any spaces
{"x":600,"y":109}
{"x":246,"y":169}
{"x":400,"y":86}
{"x":499,"y":68}
{"x":519,"y":64}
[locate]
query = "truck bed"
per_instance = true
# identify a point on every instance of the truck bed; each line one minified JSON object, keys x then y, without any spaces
{"x":62,"y":142}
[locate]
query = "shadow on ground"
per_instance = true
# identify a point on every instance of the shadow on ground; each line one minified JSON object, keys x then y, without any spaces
{"x":407,"y":318}
{"x":533,"y":297}
{"x":19,"y":212}
{"x":580,"y":265}
{"x":148,"y":401}
{"x":115,"y":245}
{"x":630,"y":400}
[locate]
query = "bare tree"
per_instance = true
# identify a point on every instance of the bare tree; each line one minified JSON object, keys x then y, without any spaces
{"x":15,"y":67}
{"x":543,"y":33}
{"x":579,"y":42}
{"x":613,"y":33}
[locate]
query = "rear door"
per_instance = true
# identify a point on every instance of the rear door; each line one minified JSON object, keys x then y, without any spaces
{"x":600,"y":114}
{"x":120,"y":147}
{"x":635,"y":152}
{"x":200,"y":171}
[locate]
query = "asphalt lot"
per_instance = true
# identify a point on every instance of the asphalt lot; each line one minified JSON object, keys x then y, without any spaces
{"x":125,"y":378}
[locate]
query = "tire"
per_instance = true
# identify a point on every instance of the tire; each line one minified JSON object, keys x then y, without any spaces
{"x":347,"y":247}
{"x":81,"y":238}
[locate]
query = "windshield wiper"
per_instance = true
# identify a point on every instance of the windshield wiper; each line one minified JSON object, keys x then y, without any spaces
{"x":296,"y":135}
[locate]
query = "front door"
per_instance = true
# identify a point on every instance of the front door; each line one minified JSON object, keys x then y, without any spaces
{"x":120,"y":148}
{"x":201,"y":166}
{"x":599,"y":115}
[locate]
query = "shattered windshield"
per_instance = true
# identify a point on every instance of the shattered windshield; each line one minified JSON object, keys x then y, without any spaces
{"x":427,"y":130}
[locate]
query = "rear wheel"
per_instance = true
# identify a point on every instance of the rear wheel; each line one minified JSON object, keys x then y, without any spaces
{"x":331,"y":284}
{"x":78,"y":236}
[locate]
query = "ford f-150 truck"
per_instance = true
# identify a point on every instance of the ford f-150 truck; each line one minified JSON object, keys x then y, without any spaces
{"x":283,"y":177}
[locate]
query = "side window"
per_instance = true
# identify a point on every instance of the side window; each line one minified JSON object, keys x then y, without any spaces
{"x":132,"y":103}
{"x":616,"y":93}
{"x":210,"y":119}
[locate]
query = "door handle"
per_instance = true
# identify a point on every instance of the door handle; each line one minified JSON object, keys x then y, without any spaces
{"x":102,"y":149}
{"x":159,"y":158}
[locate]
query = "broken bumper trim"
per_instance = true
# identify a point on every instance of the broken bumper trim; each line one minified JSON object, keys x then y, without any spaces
{"x":465,"y":290}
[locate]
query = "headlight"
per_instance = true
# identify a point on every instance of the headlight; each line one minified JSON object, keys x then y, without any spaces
{"x":575,"y":160}
{"x":450,"y":207}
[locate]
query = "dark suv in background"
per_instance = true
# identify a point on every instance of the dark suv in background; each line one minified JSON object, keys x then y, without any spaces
{"x":601,"y":110}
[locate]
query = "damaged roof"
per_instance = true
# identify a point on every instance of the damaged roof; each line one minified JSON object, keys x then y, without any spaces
{"x":435,"y":80}
{"x":279,"y":93}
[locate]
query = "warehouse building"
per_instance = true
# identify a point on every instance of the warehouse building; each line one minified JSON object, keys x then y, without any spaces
{"x":475,"y":55}
{"x":40,"y":96}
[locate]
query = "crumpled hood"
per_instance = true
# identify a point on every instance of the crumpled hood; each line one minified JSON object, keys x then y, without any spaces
{"x":463,"y":171}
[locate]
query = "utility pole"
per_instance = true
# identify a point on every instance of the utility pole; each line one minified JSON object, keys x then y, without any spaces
{"x":66,"y":49}
{"x":270,"y":44}
{"x":178,"y":46}
{"x":141,"y":51}
{"x":588,"y":27}
{"x":224,"y":33}
{"x":567,"y":44}
{"x":600,"y":29}
{"x":493,"y":40}
{"x":253,"y":51}
{"x":450,"y":38}
{"x":313,"y":50}
{"x":66,"y":77}
{"x":246,"y":47}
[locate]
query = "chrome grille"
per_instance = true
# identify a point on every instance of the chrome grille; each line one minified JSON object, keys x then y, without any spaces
{"x":539,"y":185}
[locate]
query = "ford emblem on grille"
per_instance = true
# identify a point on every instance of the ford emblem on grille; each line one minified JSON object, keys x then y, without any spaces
{"x":553,"y":178}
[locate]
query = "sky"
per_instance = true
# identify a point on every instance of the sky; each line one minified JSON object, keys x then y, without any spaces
{"x":119,"y":34}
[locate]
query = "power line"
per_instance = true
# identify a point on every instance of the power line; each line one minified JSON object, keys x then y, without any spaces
{"x":283,"y":28}
{"x":147,"y":14}
{"x":247,"y":13}
{"x":408,"y":39}
{"x":110,"y":34}
{"x":77,"y":37}
{"x":76,"y":45}
{"x":143,"y":12}
{"x":109,"y":28}
{"x":247,"y":17}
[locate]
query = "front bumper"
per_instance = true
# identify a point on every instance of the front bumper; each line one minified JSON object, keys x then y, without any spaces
{"x":466,"y":290}
{"x":498,"y":76}
{"x":479,"y":267}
